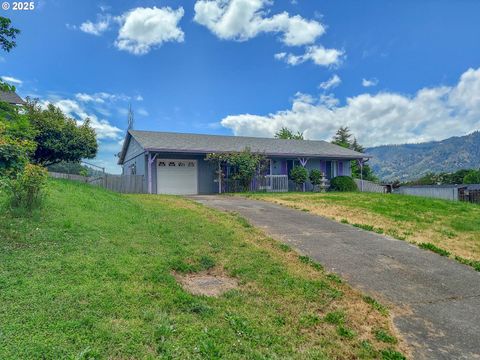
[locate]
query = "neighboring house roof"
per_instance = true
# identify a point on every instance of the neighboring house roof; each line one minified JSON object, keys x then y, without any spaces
{"x":196,"y":143}
{"x":11,"y":97}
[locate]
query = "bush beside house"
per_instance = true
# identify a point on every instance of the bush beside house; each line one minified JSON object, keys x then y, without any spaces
{"x":343,"y":183}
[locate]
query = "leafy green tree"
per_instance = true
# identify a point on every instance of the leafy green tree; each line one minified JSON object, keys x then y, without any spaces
{"x":58,"y":137}
{"x":286,"y":133}
{"x":316,"y":177}
{"x":344,"y":138}
{"x":299,"y":175}
{"x":8,"y":34}
{"x":244,"y":165}
{"x":473,"y":177}
{"x":16,"y":140}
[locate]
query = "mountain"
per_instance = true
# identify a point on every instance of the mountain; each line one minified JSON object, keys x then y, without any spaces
{"x":411,"y":161}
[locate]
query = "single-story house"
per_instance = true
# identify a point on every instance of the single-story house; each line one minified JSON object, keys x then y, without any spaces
{"x":11,"y":97}
{"x":174,"y":163}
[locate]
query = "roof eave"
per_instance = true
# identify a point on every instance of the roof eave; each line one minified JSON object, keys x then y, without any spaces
{"x":203,"y":151}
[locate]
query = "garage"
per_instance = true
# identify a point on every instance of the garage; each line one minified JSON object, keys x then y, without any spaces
{"x":177,"y":176}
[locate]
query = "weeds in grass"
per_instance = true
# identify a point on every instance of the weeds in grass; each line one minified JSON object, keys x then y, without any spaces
{"x":473,"y":263}
{"x":376,"y":305}
{"x":391,"y":354}
{"x":346,"y":332}
{"x":335,"y":317}
{"x":309,"y":320}
{"x":335,"y":278}
{"x":344,"y":221}
{"x":284,"y":247}
{"x":307,"y":260}
{"x":434,"y":248}
{"x":369,"y":228}
{"x":384,"y":336}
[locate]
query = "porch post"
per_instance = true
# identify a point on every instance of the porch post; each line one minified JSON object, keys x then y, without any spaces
{"x":219,"y":177}
{"x":360,"y":162}
{"x":149,"y":170}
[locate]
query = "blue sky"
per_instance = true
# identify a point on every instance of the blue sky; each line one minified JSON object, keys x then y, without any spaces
{"x":393,"y":71}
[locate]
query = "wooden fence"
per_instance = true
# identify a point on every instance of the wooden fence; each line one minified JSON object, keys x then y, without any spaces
{"x":368,"y":186}
{"x":469,"y":195}
{"x":127,"y":184}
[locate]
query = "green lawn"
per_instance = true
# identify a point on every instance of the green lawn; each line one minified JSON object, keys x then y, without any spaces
{"x":90,"y":276}
{"x":448,"y":225}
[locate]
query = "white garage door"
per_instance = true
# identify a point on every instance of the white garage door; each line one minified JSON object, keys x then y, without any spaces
{"x":178,"y":177}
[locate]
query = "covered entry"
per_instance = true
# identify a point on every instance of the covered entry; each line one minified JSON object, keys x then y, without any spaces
{"x":177,"y":176}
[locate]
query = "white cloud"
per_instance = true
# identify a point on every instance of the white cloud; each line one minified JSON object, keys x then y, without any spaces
{"x":101,"y":97}
{"x":142,"y":112}
{"x":431,"y":114}
{"x":334,"y":81}
{"x":96,"y":28}
{"x":12,"y":80}
{"x":318,"y":54}
{"x":244,"y":19}
{"x":73,"y":109}
{"x":369,"y":82}
{"x":88,"y":98}
{"x":143,"y":29}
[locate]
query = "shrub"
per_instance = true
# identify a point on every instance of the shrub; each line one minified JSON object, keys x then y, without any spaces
{"x":27,"y":189}
{"x":315,"y":177}
{"x":299,"y":175}
{"x":343,"y":183}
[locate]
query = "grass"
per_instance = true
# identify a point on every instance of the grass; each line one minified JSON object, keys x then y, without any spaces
{"x":91,"y":277}
{"x":449,"y":228}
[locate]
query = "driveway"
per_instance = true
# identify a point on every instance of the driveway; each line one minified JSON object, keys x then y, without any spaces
{"x":438,"y":298}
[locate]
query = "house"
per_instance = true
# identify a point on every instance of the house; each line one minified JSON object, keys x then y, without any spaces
{"x":174,"y":163}
{"x":11,"y":97}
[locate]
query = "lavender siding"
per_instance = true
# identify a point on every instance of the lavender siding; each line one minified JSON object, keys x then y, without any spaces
{"x":323,"y":167}
{"x":340,"y":168}
{"x":284,"y":168}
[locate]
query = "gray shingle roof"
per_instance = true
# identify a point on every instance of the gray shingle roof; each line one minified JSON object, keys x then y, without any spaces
{"x":196,"y":143}
{"x":11,"y":98}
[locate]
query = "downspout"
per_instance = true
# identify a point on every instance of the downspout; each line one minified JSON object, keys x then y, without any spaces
{"x":149,"y":169}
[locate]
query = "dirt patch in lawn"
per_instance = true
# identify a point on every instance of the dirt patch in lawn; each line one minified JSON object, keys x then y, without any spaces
{"x":206,"y":283}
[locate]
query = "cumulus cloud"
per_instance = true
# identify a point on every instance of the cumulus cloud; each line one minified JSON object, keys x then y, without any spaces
{"x":96,"y":28}
{"x":317,"y":54}
{"x":331,"y":83}
{"x":12,"y":80}
{"x":430,"y":114}
{"x":75,"y":110}
{"x":369,"y":82}
{"x":143,"y":29}
{"x":101,"y":97}
{"x":245,"y":19}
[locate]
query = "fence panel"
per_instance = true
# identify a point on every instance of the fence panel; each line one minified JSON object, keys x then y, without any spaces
{"x":437,"y":192}
{"x":128,"y":184}
{"x":369,"y":186}
{"x":73,"y":177}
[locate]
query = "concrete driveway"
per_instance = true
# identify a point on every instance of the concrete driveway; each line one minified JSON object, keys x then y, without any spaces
{"x":438,"y":297}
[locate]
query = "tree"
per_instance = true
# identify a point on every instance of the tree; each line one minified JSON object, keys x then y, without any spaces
{"x":473,"y":177}
{"x":299,"y":175}
{"x":244,"y":165}
{"x":16,"y":140}
{"x":58,"y":137}
{"x":316,"y":177}
{"x":286,"y":133}
{"x":343,"y":138}
{"x":8,"y":34}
